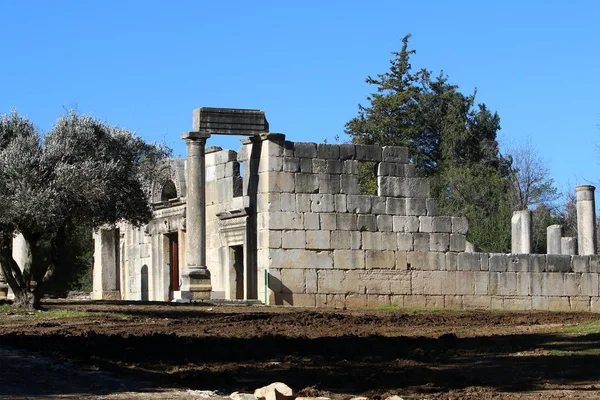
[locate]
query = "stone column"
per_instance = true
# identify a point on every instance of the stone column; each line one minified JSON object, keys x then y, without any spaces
{"x":195,"y":276}
{"x":106,"y":284}
{"x":521,"y":232}
{"x":3,"y":286}
{"x":568,"y":246}
{"x":586,"y":219}
{"x":553,"y":242}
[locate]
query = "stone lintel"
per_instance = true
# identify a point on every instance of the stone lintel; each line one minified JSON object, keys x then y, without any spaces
{"x":243,"y":212}
{"x":230,"y":121}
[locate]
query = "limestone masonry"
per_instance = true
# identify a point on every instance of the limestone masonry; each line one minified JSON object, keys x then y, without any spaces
{"x":283,"y":222}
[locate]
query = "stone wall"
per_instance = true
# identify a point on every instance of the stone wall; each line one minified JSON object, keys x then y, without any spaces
{"x":320,"y":243}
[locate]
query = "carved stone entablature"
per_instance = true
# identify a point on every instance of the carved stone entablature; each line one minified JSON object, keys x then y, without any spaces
{"x":233,"y":225}
{"x":167,"y":220}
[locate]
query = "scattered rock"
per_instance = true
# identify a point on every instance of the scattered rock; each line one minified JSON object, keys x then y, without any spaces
{"x":360,"y":398}
{"x":274,"y":391}
{"x":313,"y":398}
{"x":205,"y":394}
{"x":394,"y":397}
{"x":242,"y":396}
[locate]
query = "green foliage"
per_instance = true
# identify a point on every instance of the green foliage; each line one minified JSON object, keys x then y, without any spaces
{"x":83,"y":173}
{"x":367,"y":178}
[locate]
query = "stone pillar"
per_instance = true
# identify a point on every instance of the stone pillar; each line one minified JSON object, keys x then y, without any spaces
{"x":568,"y":246}
{"x":553,"y":242}
{"x":521,"y":232}
{"x":195,"y":276}
{"x":586,"y":219}
{"x":106,"y":284}
{"x":3,"y":286}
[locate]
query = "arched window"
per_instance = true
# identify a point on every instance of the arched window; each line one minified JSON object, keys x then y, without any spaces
{"x":169,"y":191}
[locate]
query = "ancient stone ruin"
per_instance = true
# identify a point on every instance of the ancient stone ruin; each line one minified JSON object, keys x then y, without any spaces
{"x":283,"y":223}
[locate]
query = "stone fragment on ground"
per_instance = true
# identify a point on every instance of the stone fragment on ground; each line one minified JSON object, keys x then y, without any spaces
{"x":274,"y":391}
{"x":242,"y":396}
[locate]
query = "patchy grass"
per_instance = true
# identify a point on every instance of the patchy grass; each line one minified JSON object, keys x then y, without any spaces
{"x":25,"y":313}
{"x":584,"y":328}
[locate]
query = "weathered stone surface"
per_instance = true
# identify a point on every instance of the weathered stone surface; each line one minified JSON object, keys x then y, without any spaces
{"x":328,"y":221}
{"x":298,"y":258}
{"x":521,"y":232}
{"x":568,"y":246}
{"x":458,"y":242}
{"x":349,"y":259}
{"x":346,"y":222}
{"x":580,"y":263}
{"x":421,"y":241}
{"x":378,"y":205}
{"x":287,"y":202}
{"x":341,"y":203}
{"x":432,"y":208}
{"x":395,"y":206}
{"x":359,"y":204}
{"x":439,"y":242}
{"x":328,"y":151}
{"x":319,"y":166}
{"x":322,"y":203}
{"x":498,"y":262}
{"x":307,"y":183}
{"x":586,"y":219}
{"x":405,"y":241}
{"x":558,"y":263}
{"x":407,"y":224}
{"x":460,"y":225}
{"x":293,"y":239}
{"x":366,"y":222}
{"x":416,"y":206}
{"x":319,"y":240}
{"x":311,"y":222}
{"x":372,"y":241}
{"x":306,"y":165}
{"x":425,"y":224}
{"x":242,"y":396}
{"x":305,"y":150}
{"x":385,"y":223}
{"x":376,"y":259}
{"x":367,"y":153}
{"x":274,"y":391}
{"x":394,"y":154}
{"x":553,"y":236}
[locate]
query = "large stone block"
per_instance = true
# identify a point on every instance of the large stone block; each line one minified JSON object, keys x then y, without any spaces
{"x":359,"y":204}
{"x":425,"y":224}
{"x":427,"y":282}
{"x":306,"y":165}
{"x":378,"y":205}
{"x":558,"y":263}
{"x":421,"y":241}
{"x":390,"y":186}
{"x":401,"y":261}
{"x":432,"y":208}
{"x":334,"y":167}
{"x":389,"y":240}
{"x":390,"y":169}
{"x":580,"y":263}
{"x":449,"y":286}
{"x":519,"y":263}
{"x":537,"y":262}
{"x":377,"y":259}
{"x":524,"y":283}
{"x":372,"y":241}
{"x":439,"y":242}
{"x":274,"y":182}
{"x":458,"y":242}
{"x":283,"y":220}
{"x":561,"y":303}
{"x":589,"y":284}
{"x":408,"y":224}
{"x":298,"y":258}
{"x":469,"y":262}
{"x":481,"y":302}
{"x":385,"y":223}
{"x":341,"y":203}
{"x":307,"y":183}
{"x":465,"y":282}
{"x":517,"y":303}
{"x":302,"y":202}
{"x":460,"y":225}
{"x":395,"y":154}
{"x":346,"y":151}
{"x":328,"y":151}
{"x":346,"y":222}
{"x":340,"y":240}
{"x":310,"y":276}
{"x":426,"y":261}
{"x":451,"y":261}
{"x":319,"y":166}
{"x":293,"y":239}
{"x":291,"y":164}
{"x":319,"y":240}
{"x":350,"y":167}
{"x":405,"y":241}
{"x":442,"y":224}
{"x":356,"y":301}
{"x":322,"y":203}
{"x":349,"y":259}
{"x":328,"y":221}
{"x":329,"y":184}
{"x":572,"y":284}
{"x":366,"y":222}
{"x":580,"y":303}
{"x":349,"y":184}
{"x":293,"y":281}
{"x":498,"y":262}
{"x":288,"y":202}
{"x":395,"y":206}
{"x":415,"y":300}
{"x":416,"y":206}
{"x":367,"y":152}
{"x":305,"y":150}
{"x":311,"y":222}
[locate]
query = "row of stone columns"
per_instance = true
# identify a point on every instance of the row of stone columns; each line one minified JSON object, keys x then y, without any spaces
{"x":585,"y":244}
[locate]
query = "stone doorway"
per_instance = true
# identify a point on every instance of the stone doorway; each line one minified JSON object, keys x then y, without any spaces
{"x":236,"y":272}
{"x":174,"y":278}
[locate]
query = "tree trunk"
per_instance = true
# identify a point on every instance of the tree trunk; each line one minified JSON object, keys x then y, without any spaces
{"x":26,"y":299}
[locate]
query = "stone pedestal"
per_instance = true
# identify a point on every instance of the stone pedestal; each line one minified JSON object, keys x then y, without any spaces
{"x":553,"y":236}
{"x":568,"y":246}
{"x":106,"y":265}
{"x":521,"y":232}
{"x":195,"y":277}
{"x":586,"y":219}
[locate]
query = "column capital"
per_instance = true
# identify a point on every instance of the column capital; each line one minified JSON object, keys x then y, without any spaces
{"x":195,"y":136}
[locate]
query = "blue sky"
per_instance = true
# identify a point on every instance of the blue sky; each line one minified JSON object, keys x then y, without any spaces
{"x":147,"y":65}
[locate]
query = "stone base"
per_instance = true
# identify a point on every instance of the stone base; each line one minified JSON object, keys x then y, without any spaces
{"x":196,"y":284}
{"x":107,"y":295}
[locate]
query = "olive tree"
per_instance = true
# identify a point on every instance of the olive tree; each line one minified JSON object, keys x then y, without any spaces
{"x":82,"y":172}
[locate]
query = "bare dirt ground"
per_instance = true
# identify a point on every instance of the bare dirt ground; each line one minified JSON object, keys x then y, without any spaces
{"x":156,"y":350}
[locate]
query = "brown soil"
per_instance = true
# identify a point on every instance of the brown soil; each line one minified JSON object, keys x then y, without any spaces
{"x":334,"y":353}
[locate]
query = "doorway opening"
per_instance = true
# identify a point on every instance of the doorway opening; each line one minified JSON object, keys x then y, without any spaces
{"x":236,"y":271}
{"x":173,"y":262}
